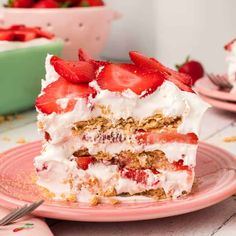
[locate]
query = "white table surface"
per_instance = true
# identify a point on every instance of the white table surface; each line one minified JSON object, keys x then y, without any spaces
{"x":216,"y":220}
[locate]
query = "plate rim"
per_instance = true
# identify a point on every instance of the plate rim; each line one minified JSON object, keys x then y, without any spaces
{"x":220,"y":104}
{"x":145,"y":213}
{"x":220,"y":95}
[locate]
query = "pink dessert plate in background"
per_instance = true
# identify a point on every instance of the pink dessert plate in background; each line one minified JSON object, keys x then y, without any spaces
{"x":205,"y":87}
{"x":216,"y":181}
{"x":223,"y":105}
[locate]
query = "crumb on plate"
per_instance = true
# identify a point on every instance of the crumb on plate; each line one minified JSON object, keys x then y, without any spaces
{"x":6,"y":138}
{"x":230,"y":139}
{"x":21,"y":141}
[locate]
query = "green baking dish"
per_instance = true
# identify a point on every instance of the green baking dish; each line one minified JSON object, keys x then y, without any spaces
{"x":21,"y":71}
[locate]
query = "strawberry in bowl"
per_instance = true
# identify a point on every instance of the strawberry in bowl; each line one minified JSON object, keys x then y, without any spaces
{"x":89,"y":21}
{"x":22,"y":53}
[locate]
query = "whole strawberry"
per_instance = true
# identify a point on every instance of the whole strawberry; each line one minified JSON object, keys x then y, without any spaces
{"x":192,"y":68}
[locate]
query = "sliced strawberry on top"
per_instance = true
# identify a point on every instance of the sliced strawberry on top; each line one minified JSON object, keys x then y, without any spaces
{"x":152,"y":137}
{"x":84,"y":161}
{"x":7,"y":35}
{"x":48,"y":102}
{"x":152,"y":64}
{"x":228,"y":46}
{"x":83,"y":56}
{"x":140,"y":176}
{"x":75,"y":72}
{"x":120,"y":77}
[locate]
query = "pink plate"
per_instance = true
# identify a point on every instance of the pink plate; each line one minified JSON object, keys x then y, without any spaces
{"x":227,"y":106}
{"x":216,"y":178}
{"x":205,"y":87}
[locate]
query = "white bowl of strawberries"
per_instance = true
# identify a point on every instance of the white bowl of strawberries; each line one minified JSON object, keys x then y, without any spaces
{"x":79,"y":26}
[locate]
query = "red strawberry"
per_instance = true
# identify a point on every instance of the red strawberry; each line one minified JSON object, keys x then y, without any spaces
{"x":42,"y":34}
{"x":83,"y":56}
{"x":17,"y":27}
{"x":151,"y":137}
{"x":84,"y":161}
{"x":75,"y":72}
{"x":20,"y":3}
{"x":46,"y":4}
{"x":61,"y":88}
{"x":7,"y":35}
{"x":192,"y":68}
{"x":228,"y":46}
{"x":179,"y":165}
{"x":140,"y":176}
{"x":183,"y":81}
{"x":47,"y":136}
{"x":119,"y":77}
{"x":24,"y":35}
{"x":91,"y":3}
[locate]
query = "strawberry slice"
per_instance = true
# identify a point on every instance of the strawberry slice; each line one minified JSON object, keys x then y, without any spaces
{"x":61,"y":88}
{"x":47,"y":136}
{"x":119,"y":77}
{"x":17,"y":27}
{"x":183,"y":81}
{"x":179,"y":165}
{"x":140,"y":176}
{"x":7,"y":35}
{"x":75,"y":72}
{"x":152,"y":137}
{"x":83,"y":56}
{"x":42,"y":34}
{"x":228,"y":46}
{"x":84,"y":161}
{"x":24,"y":35}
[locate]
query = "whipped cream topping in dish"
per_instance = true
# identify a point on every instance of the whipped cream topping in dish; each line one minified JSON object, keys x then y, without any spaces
{"x":167,"y":100}
{"x":231,"y":59}
{"x":9,"y":45}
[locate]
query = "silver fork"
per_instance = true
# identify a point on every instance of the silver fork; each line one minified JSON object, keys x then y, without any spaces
{"x":220,"y":81}
{"x":19,"y":212}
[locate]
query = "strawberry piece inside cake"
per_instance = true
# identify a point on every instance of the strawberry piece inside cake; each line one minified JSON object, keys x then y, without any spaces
{"x":116,"y":132}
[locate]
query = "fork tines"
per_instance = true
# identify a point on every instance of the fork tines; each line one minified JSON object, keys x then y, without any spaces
{"x":220,"y":81}
{"x":19,"y":212}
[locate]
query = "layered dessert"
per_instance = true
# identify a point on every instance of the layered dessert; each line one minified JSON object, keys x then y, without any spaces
{"x":116,"y":132}
{"x":231,"y":59}
{"x":21,"y":36}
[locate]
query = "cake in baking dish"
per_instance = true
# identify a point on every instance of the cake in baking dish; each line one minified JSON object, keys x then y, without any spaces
{"x":116,"y":132}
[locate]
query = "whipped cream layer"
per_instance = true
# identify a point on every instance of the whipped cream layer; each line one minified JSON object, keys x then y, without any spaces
{"x":168,"y":100}
{"x":55,"y":178}
{"x":231,"y":59}
{"x":12,"y":45}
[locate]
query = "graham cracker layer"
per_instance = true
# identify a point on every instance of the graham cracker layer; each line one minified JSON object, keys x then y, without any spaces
{"x":127,"y":159}
{"x":157,"y":121}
